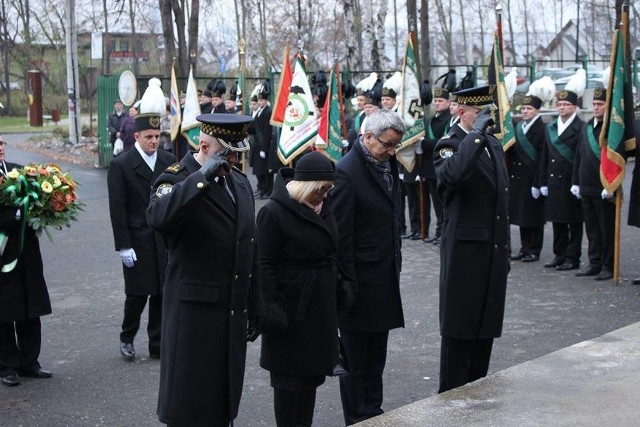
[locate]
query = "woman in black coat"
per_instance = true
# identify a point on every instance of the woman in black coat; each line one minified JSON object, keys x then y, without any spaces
{"x":297,"y":243}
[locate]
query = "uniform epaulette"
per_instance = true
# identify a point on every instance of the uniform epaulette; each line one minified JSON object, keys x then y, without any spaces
{"x":447,"y":136}
{"x":238,"y":170}
{"x":174,"y":168}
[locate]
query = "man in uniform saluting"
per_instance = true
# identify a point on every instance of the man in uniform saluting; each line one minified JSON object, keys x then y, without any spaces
{"x":474,"y":256}
{"x":204,"y":208}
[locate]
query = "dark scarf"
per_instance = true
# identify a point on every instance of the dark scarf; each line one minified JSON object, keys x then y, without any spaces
{"x":383,"y":168}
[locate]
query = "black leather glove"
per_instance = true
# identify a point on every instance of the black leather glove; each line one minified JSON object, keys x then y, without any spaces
{"x":346,"y":295}
{"x":483,"y":121}
{"x":212,"y":166}
{"x":254,"y":329}
{"x":275,"y":318}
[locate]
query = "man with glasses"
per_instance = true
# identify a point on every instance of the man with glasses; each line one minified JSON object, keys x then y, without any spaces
{"x":474,"y":256}
{"x":204,"y":208}
{"x":367,"y":209}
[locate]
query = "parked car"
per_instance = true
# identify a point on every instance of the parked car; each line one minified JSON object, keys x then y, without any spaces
{"x":12,"y":86}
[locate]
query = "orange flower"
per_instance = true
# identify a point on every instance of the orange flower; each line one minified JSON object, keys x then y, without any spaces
{"x":69,"y":199}
{"x":43,"y":171}
{"x":58,"y":201}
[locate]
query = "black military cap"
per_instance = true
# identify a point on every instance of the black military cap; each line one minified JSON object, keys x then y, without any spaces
{"x":147,"y":121}
{"x":532,"y":101}
{"x":476,"y":96}
{"x":440,"y":92}
{"x":230,"y":129}
{"x":600,"y":94}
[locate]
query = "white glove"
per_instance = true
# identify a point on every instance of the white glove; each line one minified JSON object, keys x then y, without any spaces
{"x":128,"y":257}
{"x":535,"y":192}
{"x":401,"y":176}
{"x":345,"y":143}
{"x":18,"y":214}
{"x":418,"y":147}
{"x":575,"y":190}
{"x":606,"y":195}
{"x":544,"y":191}
{"x":417,"y":178}
{"x":263,"y":154}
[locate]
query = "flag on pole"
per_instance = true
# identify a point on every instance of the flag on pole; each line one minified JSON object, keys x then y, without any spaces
{"x":330,"y":134}
{"x":190,"y":126}
{"x":617,"y":135}
{"x":300,"y":125}
{"x":175,"y":117}
{"x":410,"y":108}
{"x":504,"y":123}
{"x":282,"y":95}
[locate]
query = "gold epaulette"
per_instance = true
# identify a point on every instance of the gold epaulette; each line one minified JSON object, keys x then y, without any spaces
{"x":174,"y":168}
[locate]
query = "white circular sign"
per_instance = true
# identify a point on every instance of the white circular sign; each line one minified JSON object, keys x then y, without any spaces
{"x":127,"y":88}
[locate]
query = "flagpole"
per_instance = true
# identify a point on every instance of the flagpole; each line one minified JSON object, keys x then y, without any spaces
{"x":499,"y":28}
{"x":340,"y":97}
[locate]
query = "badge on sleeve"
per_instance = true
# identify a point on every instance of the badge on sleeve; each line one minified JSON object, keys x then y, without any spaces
{"x":446,"y":152}
{"x":164,"y":189}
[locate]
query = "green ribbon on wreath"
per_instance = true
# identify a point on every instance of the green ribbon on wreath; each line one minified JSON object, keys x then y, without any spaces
{"x":23,"y":201}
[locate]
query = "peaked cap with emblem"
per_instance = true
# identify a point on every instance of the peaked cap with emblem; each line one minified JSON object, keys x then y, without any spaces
{"x":475,"y":96}
{"x":230,"y":129}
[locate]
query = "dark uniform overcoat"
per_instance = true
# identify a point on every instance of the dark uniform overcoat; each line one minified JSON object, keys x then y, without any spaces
{"x":210,"y":291}
{"x":474,"y":254}
{"x":523,"y":163}
{"x":369,"y":228}
{"x":586,"y":169}
{"x":23,"y":290}
{"x":435,"y":127}
{"x":556,"y":165}
{"x":263,"y":136}
{"x":296,"y":247}
{"x":634,"y":198}
{"x":129,"y":183}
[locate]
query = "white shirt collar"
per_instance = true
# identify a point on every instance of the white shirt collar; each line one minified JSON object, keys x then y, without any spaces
{"x":562,"y":126}
{"x":3,"y":169}
{"x":150,"y":160}
{"x":527,"y":126}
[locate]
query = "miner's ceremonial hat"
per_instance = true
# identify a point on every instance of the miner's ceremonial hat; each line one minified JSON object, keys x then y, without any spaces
{"x":147,"y":121}
{"x":230,"y":129}
{"x":600,"y":94}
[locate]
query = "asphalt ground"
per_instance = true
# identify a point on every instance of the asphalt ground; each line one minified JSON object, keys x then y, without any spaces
{"x":546,"y":310}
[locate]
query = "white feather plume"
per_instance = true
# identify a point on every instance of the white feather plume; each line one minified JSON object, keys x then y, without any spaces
{"x":394,"y":82}
{"x":543,"y":88}
{"x":367,"y":83}
{"x":153,"y":100}
{"x":577,"y":83}
{"x":256,"y":90}
{"x":605,"y":77}
{"x":511,"y":81}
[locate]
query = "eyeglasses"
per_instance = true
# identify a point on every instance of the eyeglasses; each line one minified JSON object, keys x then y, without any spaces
{"x":388,"y":145}
{"x":323,"y":190}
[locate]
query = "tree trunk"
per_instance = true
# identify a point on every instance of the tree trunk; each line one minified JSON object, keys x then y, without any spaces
{"x":194,"y":22}
{"x":425,"y":44}
{"x":105,"y":65}
{"x":380,"y":34}
{"x":464,"y":33}
{"x":168,"y":37}
{"x":349,"y":39}
{"x":445,"y":25}
{"x":512,"y":40}
{"x":179,"y":19}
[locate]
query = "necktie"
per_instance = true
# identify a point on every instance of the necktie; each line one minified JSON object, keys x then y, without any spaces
{"x":223,"y":183}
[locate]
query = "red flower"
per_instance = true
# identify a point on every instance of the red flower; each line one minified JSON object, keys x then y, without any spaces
{"x":58,"y":201}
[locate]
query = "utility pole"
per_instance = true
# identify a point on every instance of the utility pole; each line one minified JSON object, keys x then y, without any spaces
{"x":73,"y":80}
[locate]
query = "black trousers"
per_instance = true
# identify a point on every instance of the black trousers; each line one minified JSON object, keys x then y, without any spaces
{"x":133,"y":308}
{"x":294,"y":408}
{"x":361,"y":389}
{"x":567,"y":240}
{"x":599,"y":223}
{"x":531,"y":239}
{"x":413,"y":201}
{"x":20,"y":346}
{"x":437,"y":205}
{"x":463,"y":361}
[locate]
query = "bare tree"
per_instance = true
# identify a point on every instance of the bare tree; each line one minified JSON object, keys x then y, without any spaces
{"x":425,"y":44}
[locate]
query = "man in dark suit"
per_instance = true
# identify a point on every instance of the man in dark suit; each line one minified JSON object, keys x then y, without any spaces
{"x":473,"y":186}
{"x":115,"y":121}
{"x":435,"y":127}
{"x":562,"y":207}
{"x":23,"y":294}
{"x":367,"y":209}
{"x":526,"y":206}
{"x":204,"y":209}
{"x":263,"y":140}
{"x":598,"y":208}
{"x":141,"y":249}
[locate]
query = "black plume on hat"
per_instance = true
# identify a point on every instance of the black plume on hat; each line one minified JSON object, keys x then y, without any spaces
{"x":319,"y":92}
{"x":425,"y":93}
{"x":217,"y":88}
{"x":314,"y":167}
{"x":466,"y":82}
{"x":265,"y":90}
{"x":233,"y":91}
{"x":319,"y":78}
{"x":348,"y":89}
{"x":448,"y":80}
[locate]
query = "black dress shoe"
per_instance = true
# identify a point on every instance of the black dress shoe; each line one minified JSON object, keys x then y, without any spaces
{"x":431,"y":239}
{"x":436,"y":241}
{"x":530,"y":258}
{"x":589,"y":271}
{"x":10,"y":380}
{"x":516,"y":257}
{"x":604,"y":275}
{"x":636,"y":281}
{"x":568,"y":265}
{"x":410,"y":234}
{"x":554,"y":263}
{"x":35,"y":373}
{"x":127,"y":351}
{"x":416,"y":236}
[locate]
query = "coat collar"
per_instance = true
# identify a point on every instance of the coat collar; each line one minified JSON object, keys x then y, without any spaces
{"x":375,"y":175}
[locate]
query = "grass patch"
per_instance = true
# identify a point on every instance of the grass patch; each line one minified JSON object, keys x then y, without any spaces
{"x":21,"y":125}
